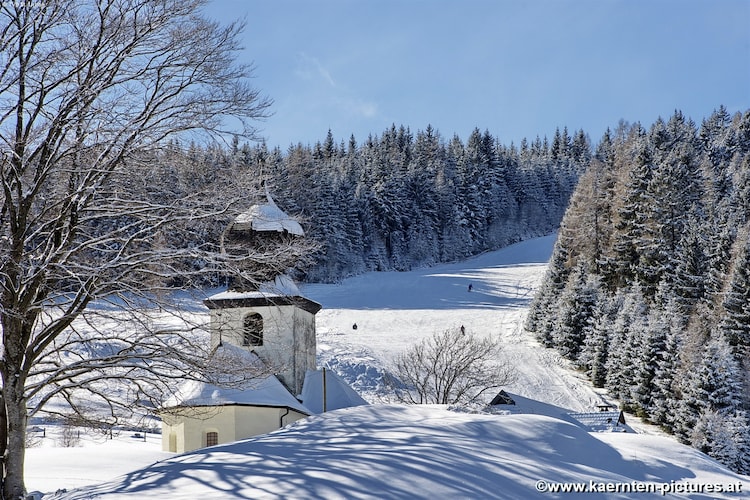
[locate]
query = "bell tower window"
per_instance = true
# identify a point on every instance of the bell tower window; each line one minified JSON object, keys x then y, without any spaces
{"x":252,"y":330}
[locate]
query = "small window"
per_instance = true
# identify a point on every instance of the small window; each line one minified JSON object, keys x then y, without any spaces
{"x":252,"y":330}
{"x":212,"y":438}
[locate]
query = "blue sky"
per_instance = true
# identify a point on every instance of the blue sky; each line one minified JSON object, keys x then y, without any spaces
{"x":515,"y":68}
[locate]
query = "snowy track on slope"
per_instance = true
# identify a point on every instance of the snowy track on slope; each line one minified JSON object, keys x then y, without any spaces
{"x":392,"y":311}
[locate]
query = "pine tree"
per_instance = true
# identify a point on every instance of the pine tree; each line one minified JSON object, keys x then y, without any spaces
{"x":628,"y":224}
{"x":724,"y":436}
{"x":674,"y":186}
{"x":595,"y":350}
{"x":719,"y":141}
{"x":734,"y":449}
{"x":628,"y":326}
{"x":667,"y":322}
{"x":735,"y":321}
{"x":711,"y":386}
{"x":738,"y":203}
{"x":651,"y":347}
{"x":575,"y":313}
{"x":540,"y":318}
{"x":580,"y":150}
{"x":472,"y":171}
{"x":422,"y":197}
{"x":692,"y":267}
{"x":719,"y":251}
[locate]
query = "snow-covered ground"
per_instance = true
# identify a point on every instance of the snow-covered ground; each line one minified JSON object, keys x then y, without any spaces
{"x":394,"y":310}
{"x":393,"y":451}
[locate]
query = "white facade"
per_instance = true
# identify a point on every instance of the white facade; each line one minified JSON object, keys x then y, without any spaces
{"x":288,"y":345}
{"x":187,"y":429}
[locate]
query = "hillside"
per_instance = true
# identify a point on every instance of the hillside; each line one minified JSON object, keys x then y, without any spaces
{"x":396,"y":451}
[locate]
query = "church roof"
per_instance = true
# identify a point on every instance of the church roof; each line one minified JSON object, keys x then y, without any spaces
{"x":263,"y":390}
{"x":281,"y":286}
{"x":281,"y":292}
{"x":267,"y":217}
{"x":230,"y":299}
{"x":338,"y":394}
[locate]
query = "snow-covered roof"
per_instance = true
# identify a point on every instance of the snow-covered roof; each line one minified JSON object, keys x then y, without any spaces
{"x":602,"y":420}
{"x":267,"y":217}
{"x":264,"y":390}
{"x":338,"y":394}
{"x":281,"y":286}
{"x":502,"y":398}
{"x":282,"y":291}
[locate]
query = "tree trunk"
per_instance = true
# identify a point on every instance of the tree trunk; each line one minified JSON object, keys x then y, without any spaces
{"x":3,"y":440}
{"x":15,"y":442}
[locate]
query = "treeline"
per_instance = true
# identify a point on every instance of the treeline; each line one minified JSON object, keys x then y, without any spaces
{"x":399,"y":200}
{"x":648,"y":288}
{"x":406,"y":200}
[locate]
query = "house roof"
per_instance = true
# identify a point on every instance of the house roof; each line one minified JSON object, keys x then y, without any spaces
{"x":264,"y":390}
{"x":502,"y":398}
{"x":338,"y":394}
{"x":270,"y":392}
{"x":600,"y":420}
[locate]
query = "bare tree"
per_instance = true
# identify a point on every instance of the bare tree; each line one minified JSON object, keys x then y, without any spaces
{"x":90,"y":92}
{"x":451,"y":367}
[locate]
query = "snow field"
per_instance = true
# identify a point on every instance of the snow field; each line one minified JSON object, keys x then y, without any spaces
{"x":395,"y":451}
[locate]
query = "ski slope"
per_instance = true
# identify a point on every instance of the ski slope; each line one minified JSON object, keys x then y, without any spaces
{"x":394,"y":310}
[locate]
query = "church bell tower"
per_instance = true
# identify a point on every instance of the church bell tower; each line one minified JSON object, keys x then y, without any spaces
{"x":268,"y":316}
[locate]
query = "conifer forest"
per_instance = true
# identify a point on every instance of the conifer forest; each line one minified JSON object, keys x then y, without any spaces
{"x":397,"y":201}
{"x":648,"y":288}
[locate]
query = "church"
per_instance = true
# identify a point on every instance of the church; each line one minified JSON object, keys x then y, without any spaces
{"x":268,"y":322}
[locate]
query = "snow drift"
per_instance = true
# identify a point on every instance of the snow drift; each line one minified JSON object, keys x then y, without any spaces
{"x":393,"y":451}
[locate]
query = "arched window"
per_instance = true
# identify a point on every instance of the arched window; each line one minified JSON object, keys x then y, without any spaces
{"x":252,"y":330}
{"x":212,"y":438}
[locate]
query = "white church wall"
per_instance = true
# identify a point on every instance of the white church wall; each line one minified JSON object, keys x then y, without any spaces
{"x":289,"y":345}
{"x":252,"y":421}
{"x":186,"y":430}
